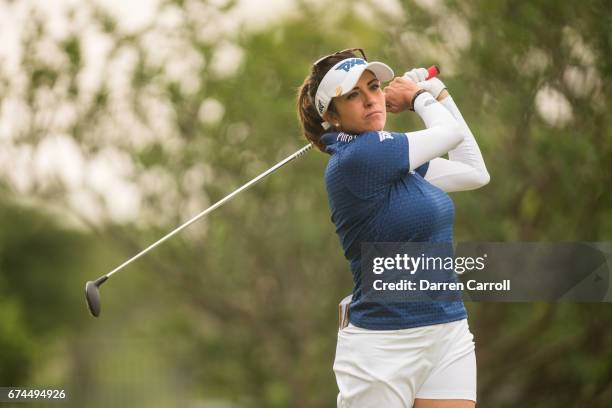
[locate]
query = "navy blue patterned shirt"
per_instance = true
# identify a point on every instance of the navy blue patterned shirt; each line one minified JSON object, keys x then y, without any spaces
{"x":374,"y":197}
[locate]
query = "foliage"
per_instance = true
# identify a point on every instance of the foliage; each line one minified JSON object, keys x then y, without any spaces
{"x":242,"y":306}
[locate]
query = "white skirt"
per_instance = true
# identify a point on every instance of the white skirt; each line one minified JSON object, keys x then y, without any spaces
{"x":390,"y":368}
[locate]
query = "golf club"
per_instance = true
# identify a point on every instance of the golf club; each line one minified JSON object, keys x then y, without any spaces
{"x":92,"y":288}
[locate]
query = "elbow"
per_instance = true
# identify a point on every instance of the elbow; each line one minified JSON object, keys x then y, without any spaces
{"x":482,"y":179}
{"x":476,"y":180}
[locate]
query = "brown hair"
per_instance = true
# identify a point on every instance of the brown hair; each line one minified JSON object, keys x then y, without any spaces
{"x":307,"y":112}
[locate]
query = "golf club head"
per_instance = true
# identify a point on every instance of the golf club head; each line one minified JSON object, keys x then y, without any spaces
{"x":92,"y":295}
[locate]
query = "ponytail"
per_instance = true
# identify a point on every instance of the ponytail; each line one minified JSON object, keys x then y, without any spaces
{"x":308,"y":116}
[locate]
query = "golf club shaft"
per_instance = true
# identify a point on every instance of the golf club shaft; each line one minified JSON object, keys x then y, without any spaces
{"x":212,"y":207}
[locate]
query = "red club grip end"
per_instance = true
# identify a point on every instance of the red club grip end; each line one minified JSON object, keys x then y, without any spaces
{"x":433,"y":71}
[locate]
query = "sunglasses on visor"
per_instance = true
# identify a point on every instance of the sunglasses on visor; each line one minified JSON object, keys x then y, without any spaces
{"x":351,"y":50}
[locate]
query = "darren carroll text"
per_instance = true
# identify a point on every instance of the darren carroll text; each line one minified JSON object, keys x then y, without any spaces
{"x":427,"y":285}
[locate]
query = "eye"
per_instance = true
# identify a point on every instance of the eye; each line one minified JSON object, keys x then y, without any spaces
{"x":352,"y":95}
{"x":375,"y":86}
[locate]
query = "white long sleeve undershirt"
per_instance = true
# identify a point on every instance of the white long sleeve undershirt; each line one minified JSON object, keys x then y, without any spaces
{"x":447,"y":132}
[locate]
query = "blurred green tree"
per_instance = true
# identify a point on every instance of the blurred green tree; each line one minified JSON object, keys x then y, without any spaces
{"x":243,"y":305}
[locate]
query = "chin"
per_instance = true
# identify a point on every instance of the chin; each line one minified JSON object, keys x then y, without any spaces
{"x":377,"y":126}
{"x":373,"y":126}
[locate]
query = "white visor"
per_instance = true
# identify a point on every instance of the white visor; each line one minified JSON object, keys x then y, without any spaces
{"x":343,"y":77}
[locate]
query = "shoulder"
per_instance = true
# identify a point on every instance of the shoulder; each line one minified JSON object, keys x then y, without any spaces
{"x":371,"y":144}
{"x":379,"y":137}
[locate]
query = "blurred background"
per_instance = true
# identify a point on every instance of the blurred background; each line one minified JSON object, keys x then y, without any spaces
{"x":121,"y":119}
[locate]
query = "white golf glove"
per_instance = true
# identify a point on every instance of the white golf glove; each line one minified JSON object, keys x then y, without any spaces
{"x":434,"y":86}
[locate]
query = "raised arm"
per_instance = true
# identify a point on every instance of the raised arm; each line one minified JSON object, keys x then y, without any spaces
{"x":465,"y":169}
{"x":442,"y":132}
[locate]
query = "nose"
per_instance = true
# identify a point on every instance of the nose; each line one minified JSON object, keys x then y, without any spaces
{"x":368,"y":99}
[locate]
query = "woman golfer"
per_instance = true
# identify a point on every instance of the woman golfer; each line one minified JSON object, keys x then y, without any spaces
{"x":392,"y":187}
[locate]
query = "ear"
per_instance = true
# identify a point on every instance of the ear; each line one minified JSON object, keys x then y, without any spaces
{"x":331,"y":117}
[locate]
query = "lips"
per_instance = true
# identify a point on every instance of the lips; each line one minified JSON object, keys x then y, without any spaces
{"x":369,"y":115}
